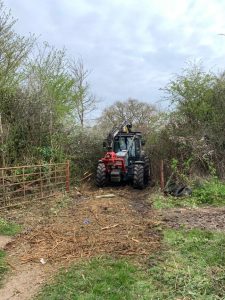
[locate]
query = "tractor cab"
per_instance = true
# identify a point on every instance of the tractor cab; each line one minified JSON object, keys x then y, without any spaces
{"x":125,"y":160}
{"x":128,"y":143}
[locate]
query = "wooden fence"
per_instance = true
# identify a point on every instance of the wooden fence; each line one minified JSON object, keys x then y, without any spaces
{"x":22,"y":184}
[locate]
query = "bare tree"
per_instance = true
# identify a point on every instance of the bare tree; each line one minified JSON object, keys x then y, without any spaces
{"x":84,"y":100}
{"x":138,"y":113}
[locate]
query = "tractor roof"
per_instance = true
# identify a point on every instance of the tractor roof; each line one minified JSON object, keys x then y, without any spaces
{"x":129,"y":133}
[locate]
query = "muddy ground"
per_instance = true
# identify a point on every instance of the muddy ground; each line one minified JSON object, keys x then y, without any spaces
{"x":209,"y":218}
{"x":65,"y":229}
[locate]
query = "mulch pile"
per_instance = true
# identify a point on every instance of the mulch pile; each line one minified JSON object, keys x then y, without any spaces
{"x":90,"y":227}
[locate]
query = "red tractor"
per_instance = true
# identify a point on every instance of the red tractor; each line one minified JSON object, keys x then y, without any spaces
{"x":125,"y":160}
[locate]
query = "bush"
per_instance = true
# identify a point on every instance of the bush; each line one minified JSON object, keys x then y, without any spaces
{"x":84,"y":149}
{"x":210,"y":192}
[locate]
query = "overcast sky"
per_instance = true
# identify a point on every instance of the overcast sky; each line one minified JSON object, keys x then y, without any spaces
{"x":133,"y":47}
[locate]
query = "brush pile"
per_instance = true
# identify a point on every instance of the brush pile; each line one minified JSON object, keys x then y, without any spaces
{"x":92,"y":226}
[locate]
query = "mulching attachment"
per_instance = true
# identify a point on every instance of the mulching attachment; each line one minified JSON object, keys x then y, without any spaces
{"x":92,"y":227}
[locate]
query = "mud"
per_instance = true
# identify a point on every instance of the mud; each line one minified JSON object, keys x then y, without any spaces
{"x":209,"y":218}
{"x":23,"y":282}
{"x":60,"y":232}
{"x":4,"y":241}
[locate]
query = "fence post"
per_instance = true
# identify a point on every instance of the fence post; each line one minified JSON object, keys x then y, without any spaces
{"x":67,"y":176}
{"x":24,"y":187}
{"x":3,"y":188}
{"x":162,"y":181}
{"x":41,"y":183}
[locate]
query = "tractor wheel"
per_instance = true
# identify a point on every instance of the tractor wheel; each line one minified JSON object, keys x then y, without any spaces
{"x":101,"y":175}
{"x":138,"y":180}
{"x":147,"y":171}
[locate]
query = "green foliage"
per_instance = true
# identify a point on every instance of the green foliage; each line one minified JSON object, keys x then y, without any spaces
{"x":84,"y":148}
{"x":210,"y":192}
{"x":45,"y":100}
{"x":192,"y":267}
{"x":40,"y":96}
{"x":163,"y":202}
{"x":196,"y":125}
{"x":14,"y":49}
{"x":8,"y":228}
{"x":174,"y":165}
{"x":47,"y":154}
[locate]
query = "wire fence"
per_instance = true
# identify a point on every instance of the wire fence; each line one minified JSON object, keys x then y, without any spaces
{"x":22,"y":184}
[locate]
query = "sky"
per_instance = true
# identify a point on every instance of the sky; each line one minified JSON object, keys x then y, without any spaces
{"x":132,"y":47}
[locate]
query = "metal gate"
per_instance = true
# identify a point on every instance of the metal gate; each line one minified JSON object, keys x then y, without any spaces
{"x":22,"y":184}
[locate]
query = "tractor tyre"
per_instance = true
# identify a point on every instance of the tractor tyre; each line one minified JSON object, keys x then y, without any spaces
{"x":147,"y":171}
{"x":101,"y":175}
{"x":138,"y":179}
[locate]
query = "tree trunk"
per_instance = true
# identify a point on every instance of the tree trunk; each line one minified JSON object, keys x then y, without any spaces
{"x":2,"y":143}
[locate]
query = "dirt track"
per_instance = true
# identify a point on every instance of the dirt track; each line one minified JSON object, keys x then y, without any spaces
{"x":60,"y":231}
{"x":124,"y":225}
{"x":23,"y":282}
{"x":92,"y":226}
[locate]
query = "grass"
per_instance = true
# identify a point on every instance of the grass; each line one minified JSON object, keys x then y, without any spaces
{"x":192,"y":266}
{"x":163,"y":202}
{"x":101,"y":278}
{"x":208,"y":193}
{"x":3,"y":265}
{"x":8,"y":228}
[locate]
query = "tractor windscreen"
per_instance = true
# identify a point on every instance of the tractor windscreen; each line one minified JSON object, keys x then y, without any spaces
{"x":127,"y":143}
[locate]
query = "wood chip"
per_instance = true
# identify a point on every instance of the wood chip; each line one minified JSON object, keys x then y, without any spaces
{"x":109,"y":227}
{"x":105,"y":196}
{"x":136,"y":241}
